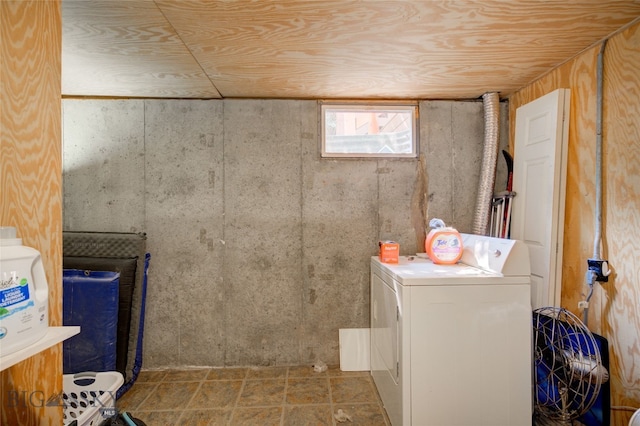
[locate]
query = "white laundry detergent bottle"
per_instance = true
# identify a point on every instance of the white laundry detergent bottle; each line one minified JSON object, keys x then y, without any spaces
{"x":24,"y":294}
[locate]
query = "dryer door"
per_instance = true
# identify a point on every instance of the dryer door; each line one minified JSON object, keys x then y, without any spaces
{"x":384,"y":329}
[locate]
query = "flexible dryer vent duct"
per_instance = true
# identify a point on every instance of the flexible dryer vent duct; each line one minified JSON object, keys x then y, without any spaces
{"x":482,"y":215}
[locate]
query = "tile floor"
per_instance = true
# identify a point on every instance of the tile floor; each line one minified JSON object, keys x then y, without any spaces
{"x":259,"y":396}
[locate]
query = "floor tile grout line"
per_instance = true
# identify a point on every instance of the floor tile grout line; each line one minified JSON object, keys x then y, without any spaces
{"x":235,"y":405}
{"x":182,"y":411}
{"x":155,"y":387}
{"x":331,"y":405}
{"x":284,"y":397}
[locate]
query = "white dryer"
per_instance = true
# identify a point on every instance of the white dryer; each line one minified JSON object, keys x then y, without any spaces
{"x":451,"y":344}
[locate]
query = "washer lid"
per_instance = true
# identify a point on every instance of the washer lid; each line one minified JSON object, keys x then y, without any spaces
{"x":411,"y":270}
{"x":485,"y":260}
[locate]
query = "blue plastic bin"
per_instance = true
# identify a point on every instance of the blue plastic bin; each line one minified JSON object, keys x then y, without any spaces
{"x":90,"y":300}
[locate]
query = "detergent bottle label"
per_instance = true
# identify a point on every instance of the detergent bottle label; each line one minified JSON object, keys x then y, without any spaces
{"x":446,"y":247}
{"x":13,"y":291}
{"x":24,"y":316}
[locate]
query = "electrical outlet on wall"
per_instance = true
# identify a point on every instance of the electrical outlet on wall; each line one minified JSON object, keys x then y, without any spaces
{"x":600,"y":268}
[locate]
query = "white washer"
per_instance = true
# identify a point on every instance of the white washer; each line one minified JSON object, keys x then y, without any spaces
{"x":451,"y":344}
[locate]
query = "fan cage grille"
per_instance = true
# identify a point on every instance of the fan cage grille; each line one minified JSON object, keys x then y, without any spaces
{"x":567,"y":365}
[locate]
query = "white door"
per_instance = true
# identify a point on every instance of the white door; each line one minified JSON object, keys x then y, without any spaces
{"x":539,"y":179}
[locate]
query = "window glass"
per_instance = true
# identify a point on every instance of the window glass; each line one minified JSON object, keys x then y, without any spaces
{"x":360,"y":130}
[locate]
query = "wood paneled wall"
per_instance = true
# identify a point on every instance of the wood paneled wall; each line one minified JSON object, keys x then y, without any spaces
{"x":30,"y":185}
{"x":615,"y":307}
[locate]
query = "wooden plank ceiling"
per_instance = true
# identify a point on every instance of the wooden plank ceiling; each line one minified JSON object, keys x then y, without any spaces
{"x":336,"y":49}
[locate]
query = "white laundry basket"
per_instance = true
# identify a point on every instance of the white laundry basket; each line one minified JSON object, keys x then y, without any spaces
{"x":89,"y":398}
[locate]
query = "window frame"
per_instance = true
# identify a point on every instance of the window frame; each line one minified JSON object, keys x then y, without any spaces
{"x":409,"y":106}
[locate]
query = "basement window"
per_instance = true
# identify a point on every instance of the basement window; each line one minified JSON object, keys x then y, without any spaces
{"x":358,"y":130}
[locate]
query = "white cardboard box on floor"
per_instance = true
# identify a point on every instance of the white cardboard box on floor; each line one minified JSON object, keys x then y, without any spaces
{"x":354,"y":349}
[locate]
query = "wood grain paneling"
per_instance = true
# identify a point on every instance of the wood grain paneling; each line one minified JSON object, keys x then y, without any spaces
{"x":614,"y":309}
{"x":127,"y":48}
{"x":376,"y":49}
{"x":620,"y":302}
{"x":30,"y":185}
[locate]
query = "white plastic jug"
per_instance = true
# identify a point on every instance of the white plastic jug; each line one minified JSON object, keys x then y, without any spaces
{"x":24,"y":294}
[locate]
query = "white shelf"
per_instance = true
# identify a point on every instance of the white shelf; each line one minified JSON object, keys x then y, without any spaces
{"x":54,"y":336}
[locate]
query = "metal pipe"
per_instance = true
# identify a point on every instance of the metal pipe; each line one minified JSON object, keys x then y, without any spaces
{"x":598,"y":211}
{"x":597,"y":240}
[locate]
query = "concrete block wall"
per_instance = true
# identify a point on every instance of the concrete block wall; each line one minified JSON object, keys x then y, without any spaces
{"x":260,"y":249}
